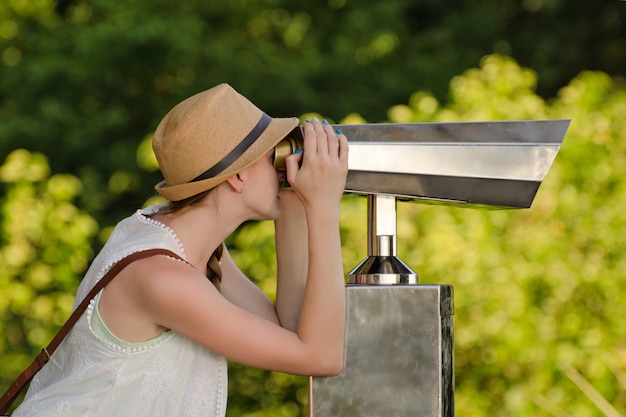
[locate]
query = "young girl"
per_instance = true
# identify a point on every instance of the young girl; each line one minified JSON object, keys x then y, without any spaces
{"x":155,"y":341}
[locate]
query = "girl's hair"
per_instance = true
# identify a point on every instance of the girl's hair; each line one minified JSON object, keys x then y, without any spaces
{"x":214,"y":270}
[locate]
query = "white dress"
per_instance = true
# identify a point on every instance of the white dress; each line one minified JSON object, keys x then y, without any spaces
{"x":92,"y":375}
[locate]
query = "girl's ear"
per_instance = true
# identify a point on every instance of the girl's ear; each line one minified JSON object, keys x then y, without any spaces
{"x":237,"y":181}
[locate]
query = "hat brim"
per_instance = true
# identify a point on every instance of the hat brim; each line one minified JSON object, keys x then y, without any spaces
{"x":277,"y":130}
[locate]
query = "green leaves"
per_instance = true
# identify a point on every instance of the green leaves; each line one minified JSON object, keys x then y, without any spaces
{"x":45,"y":246}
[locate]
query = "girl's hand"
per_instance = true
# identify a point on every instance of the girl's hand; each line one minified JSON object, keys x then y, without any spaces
{"x":320,"y":180}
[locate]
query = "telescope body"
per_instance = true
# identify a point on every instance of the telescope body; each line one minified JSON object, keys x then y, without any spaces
{"x":499,"y":164}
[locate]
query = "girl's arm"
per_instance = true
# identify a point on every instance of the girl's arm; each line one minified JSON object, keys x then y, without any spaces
{"x":292,"y":258}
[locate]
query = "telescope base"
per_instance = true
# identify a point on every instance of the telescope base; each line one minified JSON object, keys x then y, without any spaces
{"x":399,"y":355}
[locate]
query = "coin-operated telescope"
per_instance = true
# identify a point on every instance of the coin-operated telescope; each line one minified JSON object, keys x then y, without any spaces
{"x":399,"y":340}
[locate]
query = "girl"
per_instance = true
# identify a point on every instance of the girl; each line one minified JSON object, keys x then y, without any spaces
{"x":156,"y":340}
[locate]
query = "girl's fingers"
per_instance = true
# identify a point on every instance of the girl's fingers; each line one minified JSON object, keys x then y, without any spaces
{"x":292,"y":165}
{"x":309,"y":137}
{"x":333,"y":141}
{"x":322,"y":139}
{"x":342,"y":141}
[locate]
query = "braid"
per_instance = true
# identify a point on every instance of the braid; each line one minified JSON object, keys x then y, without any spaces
{"x":214,"y":270}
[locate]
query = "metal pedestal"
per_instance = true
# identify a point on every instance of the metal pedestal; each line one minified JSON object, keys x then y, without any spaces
{"x":399,"y":355}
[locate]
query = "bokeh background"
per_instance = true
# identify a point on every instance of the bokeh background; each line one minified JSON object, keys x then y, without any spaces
{"x":539,"y":293}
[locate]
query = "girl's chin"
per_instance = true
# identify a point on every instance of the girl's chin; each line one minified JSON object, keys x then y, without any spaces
{"x":271,"y":214}
{"x":275,"y":213}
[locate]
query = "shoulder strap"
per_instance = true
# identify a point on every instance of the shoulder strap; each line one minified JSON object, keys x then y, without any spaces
{"x":20,"y":383}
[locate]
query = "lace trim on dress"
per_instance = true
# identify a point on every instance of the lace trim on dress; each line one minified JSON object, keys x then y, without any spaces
{"x":144,"y":216}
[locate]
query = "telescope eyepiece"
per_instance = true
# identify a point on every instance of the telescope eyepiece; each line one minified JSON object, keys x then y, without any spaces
{"x":285,"y":148}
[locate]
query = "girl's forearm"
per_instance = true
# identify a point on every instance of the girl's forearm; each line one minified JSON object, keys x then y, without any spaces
{"x":292,"y":259}
{"x":322,"y":317}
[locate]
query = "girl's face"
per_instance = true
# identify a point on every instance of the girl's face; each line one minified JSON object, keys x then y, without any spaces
{"x":262,"y":187}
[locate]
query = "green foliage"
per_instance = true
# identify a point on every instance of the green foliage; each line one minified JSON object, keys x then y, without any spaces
{"x":44,"y":249}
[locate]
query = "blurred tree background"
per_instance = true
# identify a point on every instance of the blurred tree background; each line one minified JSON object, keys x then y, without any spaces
{"x":539,"y":293}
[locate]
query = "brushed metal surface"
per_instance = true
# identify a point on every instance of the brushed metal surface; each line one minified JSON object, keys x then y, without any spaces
{"x":522,"y":162}
{"x":497,"y":163}
{"x":500,"y":163}
{"x":399,"y":355}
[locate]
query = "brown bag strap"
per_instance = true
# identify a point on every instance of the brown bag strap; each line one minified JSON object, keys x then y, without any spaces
{"x":20,"y":383}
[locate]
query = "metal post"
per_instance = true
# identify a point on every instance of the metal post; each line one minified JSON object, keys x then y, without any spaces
{"x":382,"y":266}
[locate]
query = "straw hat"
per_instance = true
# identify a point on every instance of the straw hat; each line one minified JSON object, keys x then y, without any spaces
{"x":209,"y":137}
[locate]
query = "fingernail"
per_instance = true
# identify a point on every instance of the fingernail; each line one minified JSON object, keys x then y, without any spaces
{"x":324,"y":122}
{"x":307,"y":121}
{"x":337,"y":131}
{"x":315,"y":119}
{"x":298,"y":151}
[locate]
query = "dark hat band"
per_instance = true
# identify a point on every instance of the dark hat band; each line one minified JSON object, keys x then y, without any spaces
{"x":237,"y":151}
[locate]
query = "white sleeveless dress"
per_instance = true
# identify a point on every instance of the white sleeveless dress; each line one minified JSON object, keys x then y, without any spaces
{"x":92,"y":375}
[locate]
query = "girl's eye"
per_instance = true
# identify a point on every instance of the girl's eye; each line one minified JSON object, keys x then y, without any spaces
{"x":273,"y":156}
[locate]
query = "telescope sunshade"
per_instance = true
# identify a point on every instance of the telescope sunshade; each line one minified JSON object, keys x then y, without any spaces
{"x":478,"y":163}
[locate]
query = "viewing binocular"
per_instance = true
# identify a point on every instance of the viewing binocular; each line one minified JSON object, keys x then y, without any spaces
{"x":286,"y":147}
{"x":499,"y":163}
